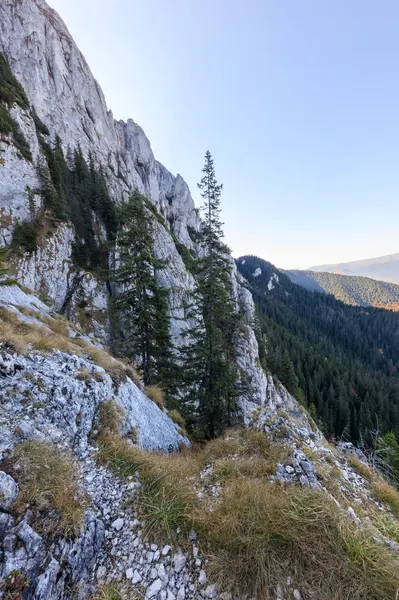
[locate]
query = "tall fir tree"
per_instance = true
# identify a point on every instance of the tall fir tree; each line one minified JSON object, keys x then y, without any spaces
{"x":208,"y":355}
{"x":141,"y":303}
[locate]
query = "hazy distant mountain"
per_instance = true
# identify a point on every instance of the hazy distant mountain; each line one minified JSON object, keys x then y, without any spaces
{"x":383,"y":268}
{"x":358,"y":291}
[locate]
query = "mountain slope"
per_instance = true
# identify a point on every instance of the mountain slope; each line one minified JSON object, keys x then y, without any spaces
{"x":58,"y":142}
{"x":86,"y":512}
{"x":341,"y":360}
{"x":382,"y":268}
{"x":358,"y":291}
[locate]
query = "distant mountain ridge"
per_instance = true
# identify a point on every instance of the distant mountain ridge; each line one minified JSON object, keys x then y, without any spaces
{"x":382,"y":268}
{"x":357,"y":291}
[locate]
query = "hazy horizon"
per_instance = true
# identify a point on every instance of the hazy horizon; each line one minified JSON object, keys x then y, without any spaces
{"x":296,"y":102}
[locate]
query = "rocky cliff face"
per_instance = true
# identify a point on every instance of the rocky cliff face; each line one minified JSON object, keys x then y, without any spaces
{"x":61,"y":89}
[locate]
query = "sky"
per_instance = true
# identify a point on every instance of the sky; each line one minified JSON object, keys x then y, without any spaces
{"x":297,"y":100}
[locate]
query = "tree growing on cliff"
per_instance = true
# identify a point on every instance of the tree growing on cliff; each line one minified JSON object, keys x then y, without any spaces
{"x":141,"y":304}
{"x":208,"y":355}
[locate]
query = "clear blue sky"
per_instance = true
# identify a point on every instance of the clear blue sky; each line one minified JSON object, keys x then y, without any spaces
{"x":298,"y":101}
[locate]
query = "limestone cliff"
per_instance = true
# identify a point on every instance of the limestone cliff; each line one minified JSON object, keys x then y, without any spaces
{"x":69,"y":102}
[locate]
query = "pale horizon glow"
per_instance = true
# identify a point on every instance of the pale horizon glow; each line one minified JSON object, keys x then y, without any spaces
{"x":297,"y":102}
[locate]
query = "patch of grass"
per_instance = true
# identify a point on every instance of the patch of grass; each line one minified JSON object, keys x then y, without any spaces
{"x":250,"y":467}
{"x":53,"y":341}
{"x":110,"y":418}
{"x":177,"y":418}
{"x":259,"y":533}
{"x":108,"y":591}
{"x":245,"y":443}
{"x":166,"y":502}
{"x":156,"y":394}
{"x":19,"y":335}
{"x":57,"y":325}
{"x":83,"y":375}
{"x":361,"y":468}
{"x":47,"y":483}
{"x":383,"y":492}
{"x":117,"y":369}
{"x":386,"y":525}
{"x":256,"y":533}
{"x":380,"y":489}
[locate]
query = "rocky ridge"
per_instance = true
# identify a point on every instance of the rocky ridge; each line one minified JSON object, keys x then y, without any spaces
{"x":43,"y":398}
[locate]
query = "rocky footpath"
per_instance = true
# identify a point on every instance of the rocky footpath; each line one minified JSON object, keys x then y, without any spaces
{"x":54,"y":397}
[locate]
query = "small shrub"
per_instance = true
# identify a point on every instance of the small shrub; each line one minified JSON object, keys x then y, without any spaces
{"x":156,"y":394}
{"x":40,"y":126}
{"x":13,"y":585}
{"x":10,"y":89}
{"x":25,"y":237}
{"x":21,"y":142}
{"x":47,"y":483}
{"x":7,"y":123}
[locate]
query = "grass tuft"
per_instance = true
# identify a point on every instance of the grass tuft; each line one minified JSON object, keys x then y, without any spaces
{"x":108,"y":591}
{"x":47,"y":483}
{"x":156,"y":394}
{"x":260,"y":533}
{"x":177,"y":418}
{"x":381,"y":489}
{"x":166,"y":503}
{"x":383,"y":492}
{"x":110,"y":419}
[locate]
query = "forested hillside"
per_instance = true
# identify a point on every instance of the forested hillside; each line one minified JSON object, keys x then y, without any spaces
{"x":358,"y":291}
{"x":381,"y":268}
{"x":341,"y":361}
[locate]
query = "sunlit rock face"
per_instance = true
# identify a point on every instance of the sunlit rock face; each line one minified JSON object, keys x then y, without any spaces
{"x":59,"y":85}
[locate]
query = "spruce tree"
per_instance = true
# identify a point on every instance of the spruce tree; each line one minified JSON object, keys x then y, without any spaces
{"x":208,"y":356}
{"x":141,"y":303}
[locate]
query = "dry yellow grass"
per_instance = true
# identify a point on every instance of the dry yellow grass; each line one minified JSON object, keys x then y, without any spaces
{"x":260,"y":533}
{"x":117,"y":369}
{"x":58,"y":326}
{"x":83,"y":374}
{"x":381,"y":489}
{"x":361,"y":468}
{"x":167,"y":499}
{"x":177,"y":418}
{"x":257,"y":532}
{"x":47,"y":483}
{"x":383,"y":492}
{"x":110,"y":419}
{"x":54,"y":341}
{"x":156,"y":394}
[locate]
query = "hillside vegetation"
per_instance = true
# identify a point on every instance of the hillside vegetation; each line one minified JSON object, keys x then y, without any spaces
{"x":341,"y":361}
{"x":357,"y":291}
